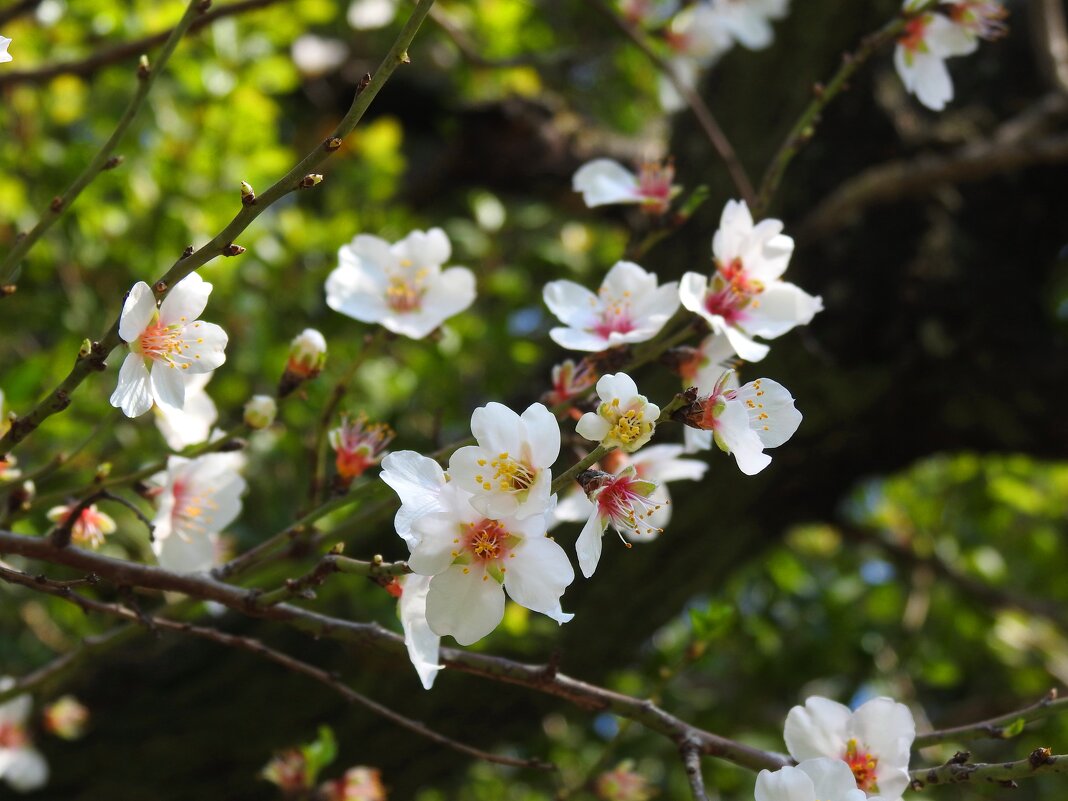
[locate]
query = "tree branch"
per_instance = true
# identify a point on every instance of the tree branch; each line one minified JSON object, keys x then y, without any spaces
{"x":691,"y":761}
{"x":1000,"y":727}
{"x":1003,"y":774}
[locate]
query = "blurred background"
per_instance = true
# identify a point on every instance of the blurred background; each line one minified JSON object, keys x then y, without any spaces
{"x":910,"y":539}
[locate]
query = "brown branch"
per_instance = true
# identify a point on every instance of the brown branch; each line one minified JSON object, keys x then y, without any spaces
{"x":542,"y":678}
{"x":691,"y":761}
{"x":253,"y":646}
{"x":999,"y":727}
{"x":693,"y":100}
{"x":1016,"y":144}
{"x":1003,"y":774}
{"x":127,"y":50}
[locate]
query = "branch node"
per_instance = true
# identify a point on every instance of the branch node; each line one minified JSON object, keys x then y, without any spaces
{"x":333,"y":143}
{"x":233,"y":250}
{"x":1040,"y":757}
{"x":113,"y":162}
{"x":160,"y":287}
{"x":186,"y":253}
{"x":364,"y":81}
{"x":310,"y":180}
{"x":56,"y":206}
{"x":143,"y":68}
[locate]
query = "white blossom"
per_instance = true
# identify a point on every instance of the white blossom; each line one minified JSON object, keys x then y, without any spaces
{"x":873,"y":742}
{"x":629,"y":307}
{"x":21,"y":765}
{"x":624,"y":501}
{"x":401,"y":286}
{"x":165,"y":343}
{"x":421,"y":642}
{"x":744,"y":298}
{"x":508,"y":471}
{"x":418,"y":481}
{"x":624,"y":419}
{"x":921,"y":53}
{"x":307,"y":353}
{"x":90,"y":529}
{"x":366,"y":15}
{"x":748,"y":22}
{"x":812,"y":780}
{"x":196,"y":500}
{"x":474,"y":558}
{"x":358,"y":445}
{"x":191,"y":424}
{"x":604,"y":182}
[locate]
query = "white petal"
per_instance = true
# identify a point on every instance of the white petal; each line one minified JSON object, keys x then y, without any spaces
{"x":450,"y":293}
{"x":662,"y":463}
{"x":603,"y":181}
{"x":820,"y":728}
{"x":593,"y":427}
{"x":186,"y":302}
{"x":573,"y":507}
{"x":434,"y":543}
{"x":191,"y":554}
{"x":466,"y":606}
{"x":137,"y":312}
{"x":734,"y":435}
{"x":778,"y":309}
{"x":934,"y":87}
{"x":785,"y":784}
{"x":542,"y":432}
{"x":692,"y":290}
{"x":617,"y":385}
{"x":423,"y":644}
{"x":831,"y":778}
{"x":418,"y":481}
{"x":577,"y":339}
{"x":204,"y":347}
{"x":946,"y":38}
{"x":744,"y":346}
{"x":588,"y":545}
{"x":428,"y":249}
{"x":356,"y":292}
{"x":168,"y":384}
{"x":133,"y":394}
{"x":497,"y":429}
{"x":573,"y":304}
{"x":771,"y":411}
{"x":26,"y":770}
{"x":192,"y":423}
{"x":886,"y":728}
{"x":538,"y":575}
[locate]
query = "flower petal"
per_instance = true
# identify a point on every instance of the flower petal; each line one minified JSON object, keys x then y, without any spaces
{"x":137,"y":312}
{"x":820,"y":728}
{"x":538,"y":575}
{"x":423,"y":644}
{"x":133,"y":394}
{"x":186,"y":302}
{"x":604,"y":181}
{"x":466,"y":606}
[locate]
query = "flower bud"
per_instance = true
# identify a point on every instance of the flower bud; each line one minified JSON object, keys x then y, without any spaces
{"x":307,"y":356}
{"x":358,"y":446}
{"x":66,"y":718}
{"x":623,"y":784}
{"x":358,"y":784}
{"x":260,"y":411}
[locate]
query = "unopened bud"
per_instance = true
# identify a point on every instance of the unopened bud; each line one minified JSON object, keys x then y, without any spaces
{"x":113,"y":162}
{"x":307,"y":355}
{"x":233,"y":250}
{"x":143,"y":69}
{"x":260,"y":411}
{"x":248,"y":195}
{"x":310,"y":180}
{"x":66,"y":718}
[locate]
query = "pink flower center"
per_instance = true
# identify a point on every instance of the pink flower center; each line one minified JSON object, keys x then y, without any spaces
{"x":624,"y":500}
{"x":654,"y":186}
{"x":359,"y":445}
{"x":12,"y":736}
{"x":983,"y":18}
{"x":406,"y":288}
{"x":732,"y":290}
{"x":163,"y":342}
{"x":915,"y":28}
{"x":864,"y":765}
{"x":615,"y":315}
{"x":486,"y":540}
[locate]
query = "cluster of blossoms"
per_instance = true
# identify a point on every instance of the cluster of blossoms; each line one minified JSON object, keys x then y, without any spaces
{"x":843,"y":755}
{"x":931,"y":37}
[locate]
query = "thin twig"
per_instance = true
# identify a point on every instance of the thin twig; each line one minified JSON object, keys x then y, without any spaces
{"x":223,"y":243}
{"x":104,"y":57}
{"x":696,"y":104}
{"x":103,"y":160}
{"x":691,"y":761}
{"x":999,"y":727}
{"x":1002,"y":774}
{"x":302,"y":587}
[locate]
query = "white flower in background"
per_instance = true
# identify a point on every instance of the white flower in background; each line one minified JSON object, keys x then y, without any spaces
{"x":873,"y":742}
{"x":400,"y":286}
{"x":423,"y":644}
{"x":929,"y":39}
{"x":474,"y":559}
{"x":197,"y":499}
{"x":745,"y":421}
{"x":508,"y":472}
{"x":358,"y":445}
{"x":604,"y":182}
{"x":366,"y":15}
{"x":66,"y":717}
{"x":570,"y":380}
{"x":170,"y":340}
{"x":648,"y":13}
{"x":418,"y":481}
{"x":812,"y":780}
{"x":748,"y":22}
{"x":629,"y":307}
{"x":982,"y":19}
{"x":4,"y":55}
{"x":624,"y":419}
{"x":90,"y":529}
{"x":260,"y":411}
{"x":745,"y":298}
{"x":314,"y":55}
{"x":21,"y":765}
{"x":657,"y":463}
{"x":191,"y":424}
{"x":698,"y":34}
{"x":625,"y":501}
{"x":8,"y":471}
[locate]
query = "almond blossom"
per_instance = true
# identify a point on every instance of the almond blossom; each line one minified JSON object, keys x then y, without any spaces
{"x":744,"y":298}
{"x":422,"y":643}
{"x":21,"y":765}
{"x":873,"y":742}
{"x":570,"y":380}
{"x":196,"y":499}
{"x":4,"y":55}
{"x":90,"y":529}
{"x":307,"y":354}
{"x":358,"y":445}
{"x":507,"y":472}
{"x":358,"y":784}
{"x":748,"y":22}
{"x":812,"y":780}
{"x":191,"y":424}
{"x":982,"y":19}
{"x":624,"y":419}
{"x":400,"y":286}
{"x":605,"y":182}
{"x":66,"y":717}
{"x":418,"y":481}
{"x":629,"y":307}
{"x":165,"y":343}
{"x":624,"y":501}
{"x":473,"y":558}
{"x":744,"y":421}
{"x":920,"y":56}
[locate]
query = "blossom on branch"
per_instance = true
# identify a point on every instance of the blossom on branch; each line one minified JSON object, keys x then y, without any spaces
{"x":196,"y":499}
{"x":921,"y":53}
{"x":358,"y":445}
{"x":473,"y":558}
{"x":418,"y":481}
{"x":358,"y":784}
{"x":422,"y":643}
{"x":604,"y":182}
{"x":873,"y":742}
{"x":629,"y":307}
{"x":21,"y":765}
{"x":90,"y":529}
{"x":307,"y":357}
{"x":508,"y":471}
{"x":812,"y":780}
{"x":625,"y":501}
{"x":191,"y":424}
{"x":165,"y":343}
{"x":66,"y":717}
{"x":400,"y":286}
{"x":570,"y":380}
{"x":744,"y":298}
{"x":624,"y":419}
